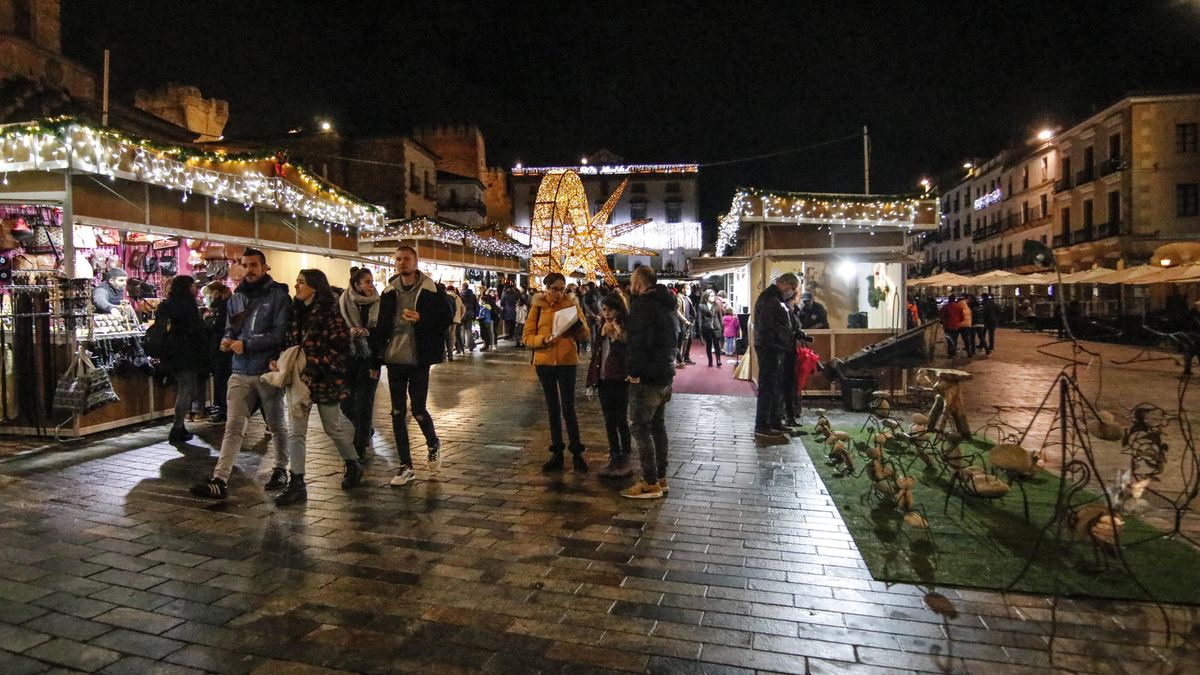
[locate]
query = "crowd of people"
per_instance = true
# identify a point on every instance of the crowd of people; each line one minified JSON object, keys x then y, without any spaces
{"x":967,"y":319}
{"x":278,"y":354}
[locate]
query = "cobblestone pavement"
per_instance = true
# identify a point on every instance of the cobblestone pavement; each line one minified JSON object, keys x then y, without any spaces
{"x":108,"y":564}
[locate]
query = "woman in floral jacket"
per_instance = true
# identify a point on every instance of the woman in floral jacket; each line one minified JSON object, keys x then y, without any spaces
{"x":318,"y":329}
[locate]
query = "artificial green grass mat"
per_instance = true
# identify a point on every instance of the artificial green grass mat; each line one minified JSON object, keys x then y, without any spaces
{"x":989,"y":544}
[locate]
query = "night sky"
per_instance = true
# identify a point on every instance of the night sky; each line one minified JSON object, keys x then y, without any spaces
{"x":661,"y":82}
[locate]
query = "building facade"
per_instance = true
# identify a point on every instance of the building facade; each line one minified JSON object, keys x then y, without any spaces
{"x":665,"y":195}
{"x":462,"y":152}
{"x":1110,"y":189}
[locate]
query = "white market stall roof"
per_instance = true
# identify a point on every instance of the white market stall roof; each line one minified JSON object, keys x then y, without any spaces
{"x":1176,"y":275}
{"x":1124,"y":276}
{"x":64,"y":143}
{"x":943,"y":279}
{"x":846,"y":211}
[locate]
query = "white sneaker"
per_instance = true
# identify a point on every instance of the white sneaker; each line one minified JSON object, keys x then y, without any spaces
{"x":403,"y":477}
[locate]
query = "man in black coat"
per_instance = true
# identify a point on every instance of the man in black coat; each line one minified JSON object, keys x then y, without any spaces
{"x":773,"y":336}
{"x":414,"y":313}
{"x":650,"y":350}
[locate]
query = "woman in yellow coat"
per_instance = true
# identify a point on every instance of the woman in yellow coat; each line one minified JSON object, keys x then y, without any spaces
{"x":555,"y":358}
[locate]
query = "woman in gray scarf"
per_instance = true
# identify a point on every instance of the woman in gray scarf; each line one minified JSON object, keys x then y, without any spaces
{"x":359,"y":305}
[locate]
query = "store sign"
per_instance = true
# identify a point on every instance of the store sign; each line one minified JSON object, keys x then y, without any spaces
{"x":987,"y":200}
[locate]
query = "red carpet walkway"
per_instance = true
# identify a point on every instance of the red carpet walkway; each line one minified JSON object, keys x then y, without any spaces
{"x":700,"y":379}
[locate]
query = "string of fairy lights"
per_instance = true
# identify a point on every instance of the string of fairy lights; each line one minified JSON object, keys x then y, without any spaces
{"x":46,"y":145}
{"x":426,"y":228}
{"x":859,"y":212}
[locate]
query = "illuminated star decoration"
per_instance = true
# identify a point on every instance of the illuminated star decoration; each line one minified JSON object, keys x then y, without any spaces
{"x":566,"y":238}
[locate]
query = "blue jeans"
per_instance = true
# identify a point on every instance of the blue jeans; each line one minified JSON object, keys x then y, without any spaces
{"x":648,"y":426}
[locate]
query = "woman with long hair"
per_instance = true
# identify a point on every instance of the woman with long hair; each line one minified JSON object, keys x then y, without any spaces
{"x":359,"y":306}
{"x":185,"y":349}
{"x":607,"y":374}
{"x":710,"y":326}
{"x":555,"y":359}
{"x":318,"y":329}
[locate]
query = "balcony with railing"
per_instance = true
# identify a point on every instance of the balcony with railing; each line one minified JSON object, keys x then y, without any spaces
{"x":1062,"y":185}
{"x":1061,"y":240}
{"x":1109,"y":229}
{"x":1088,"y":233}
{"x":1111,"y":165}
{"x":464,"y":205}
{"x":1086,"y":176}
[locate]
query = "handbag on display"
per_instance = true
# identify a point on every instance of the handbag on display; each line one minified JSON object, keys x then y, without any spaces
{"x":215,"y":252}
{"x":70,"y":394}
{"x":195,"y":244}
{"x":217,"y":269}
{"x":99,"y":388}
{"x":136,"y":256}
{"x":84,"y":236}
{"x":107,"y":237}
{"x":149,"y":264}
{"x":83,"y":267}
{"x":165,"y":244}
{"x":47,"y":238}
{"x":168,"y":266}
{"x":20,"y":230}
{"x":33,"y":263}
{"x":7,"y":241}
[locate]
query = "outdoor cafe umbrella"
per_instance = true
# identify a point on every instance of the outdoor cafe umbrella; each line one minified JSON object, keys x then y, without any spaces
{"x":1179,"y":274}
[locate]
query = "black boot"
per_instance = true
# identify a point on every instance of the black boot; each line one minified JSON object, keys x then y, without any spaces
{"x":279,"y":479}
{"x":578,"y":462}
{"x":556,"y":460}
{"x":296,"y":491}
{"x":179,"y":435}
{"x":354,"y":474}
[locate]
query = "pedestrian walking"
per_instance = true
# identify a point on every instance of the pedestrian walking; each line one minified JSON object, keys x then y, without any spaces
{"x":508,"y":311}
{"x":990,"y":312}
{"x":454,"y":333}
{"x":555,"y":358}
{"x":220,"y":364}
{"x":731,"y":330}
{"x":951,"y":317}
{"x":607,"y":373}
{"x":650,"y":346}
{"x":319,"y":344}
{"x":359,"y":307}
{"x":470,"y":313}
{"x":488,"y":315}
{"x":184,"y":350}
{"x":710,"y":327}
{"x":259,"y":312}
{"x":413,"y":315}
{"x":683,"y":326}
{"x":522,"y":315}
{"x":772,"y":332}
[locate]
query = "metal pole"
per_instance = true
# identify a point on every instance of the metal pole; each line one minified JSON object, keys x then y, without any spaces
{"x":866,"y":162}
{"x":104,"y":96}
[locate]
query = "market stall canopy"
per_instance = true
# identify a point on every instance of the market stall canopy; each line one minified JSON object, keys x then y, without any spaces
{"x":998,"y":278}
{"x":1181,"y":274}
{"x":943,"y":279}
{"x":265,"y":180}
{"x":1086,"y":276}
{"x":848,"y":211}
{"x":722,"y":265}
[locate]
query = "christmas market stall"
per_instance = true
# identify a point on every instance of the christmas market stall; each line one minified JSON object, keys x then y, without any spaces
{"x":81,"y":202}
{"x":848,"y":251}
{"x":451,"y":254}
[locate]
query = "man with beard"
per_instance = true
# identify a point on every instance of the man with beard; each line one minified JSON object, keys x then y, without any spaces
{"x":255,"y":332}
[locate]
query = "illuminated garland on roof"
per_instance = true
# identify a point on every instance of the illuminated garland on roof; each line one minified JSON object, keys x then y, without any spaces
{"x":45,"y":146}
{"x":862,"y":212}
{"x":427,"y":228}
{"x":606,"y":169}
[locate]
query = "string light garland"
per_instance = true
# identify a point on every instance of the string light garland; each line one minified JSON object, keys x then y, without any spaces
{"x":426,"y":228}
{"x":45,"y":145}
{"x":861,"y":212}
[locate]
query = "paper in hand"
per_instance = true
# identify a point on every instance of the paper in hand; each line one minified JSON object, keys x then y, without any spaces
{"x":563,"y":320}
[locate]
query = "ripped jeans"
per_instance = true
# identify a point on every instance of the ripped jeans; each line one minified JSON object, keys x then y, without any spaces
{"x":409,"y":383}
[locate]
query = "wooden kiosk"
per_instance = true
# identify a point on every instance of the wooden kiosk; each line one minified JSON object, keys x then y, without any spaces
{"x":848,"y":251}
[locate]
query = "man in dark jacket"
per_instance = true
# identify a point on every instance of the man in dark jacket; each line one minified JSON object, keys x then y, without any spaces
{"x":470,"y":313}
{"x":414,"y":313}
{"x":650,"y":350}
{"x":108,"y":295}
{"x":255,"y":332}
{"x":508,"y":310}
{"x":773,"y":336}
{"x":989,"y":319}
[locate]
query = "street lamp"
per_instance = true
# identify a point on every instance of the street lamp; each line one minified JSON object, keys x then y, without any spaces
{"x":326,"y":125}
{"x":1045,"y":135}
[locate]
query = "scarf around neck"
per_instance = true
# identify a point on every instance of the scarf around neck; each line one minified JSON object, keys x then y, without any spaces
{"x":349,"y":303}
